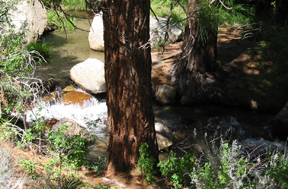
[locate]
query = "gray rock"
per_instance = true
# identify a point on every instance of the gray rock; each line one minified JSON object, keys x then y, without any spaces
{"x":158,"y":29}
{"x":166,"y":94}
{"x":164,"y":136}
{"x":73,"y":128}
{"x":89,"y":76}
{"x":32,"y":13}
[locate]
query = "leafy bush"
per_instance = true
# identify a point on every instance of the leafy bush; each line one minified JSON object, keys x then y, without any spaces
{"x":28,"y":165}
{"x":42,"y":48}
{"x":222,"y":166}
{"x":146,"y":163}
{"x":178,"y":167}
{"x":71,"y":149}
{"x":99,"y":164}
{"x":17,"y":65}
{"x":277,"y":168}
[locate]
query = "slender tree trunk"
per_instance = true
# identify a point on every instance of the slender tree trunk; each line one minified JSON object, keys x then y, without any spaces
{"x":193,"y":72}
{"x":128,"y":82}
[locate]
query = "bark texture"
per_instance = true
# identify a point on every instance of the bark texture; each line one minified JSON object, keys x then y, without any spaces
{"x":128,"y":82}
{"x":194,"y":72}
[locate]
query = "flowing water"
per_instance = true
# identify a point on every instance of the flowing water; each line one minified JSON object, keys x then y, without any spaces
{"x":214,"y":119}
{"x":68,"y":50}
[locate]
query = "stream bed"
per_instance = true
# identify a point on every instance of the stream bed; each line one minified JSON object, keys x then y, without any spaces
{"x":216,"y":120}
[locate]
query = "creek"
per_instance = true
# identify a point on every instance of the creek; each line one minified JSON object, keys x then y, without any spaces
{"x":216,"y":120}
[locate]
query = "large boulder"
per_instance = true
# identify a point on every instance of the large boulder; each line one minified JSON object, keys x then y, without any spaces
{"x":166,"y":94}
{"x":158,"y":28}
{"x":95,"y":38}
{"x":32,"y":13}
{"x":89,"y":76}
{"x":280,"y":124}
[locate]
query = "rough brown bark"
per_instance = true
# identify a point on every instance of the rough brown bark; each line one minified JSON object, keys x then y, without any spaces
{"x":194,"y":72}
{"x":128,"y":82}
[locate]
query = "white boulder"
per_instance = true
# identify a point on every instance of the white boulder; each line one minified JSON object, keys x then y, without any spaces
{"x":89,"y":76}
{"x":95,"y":38}
{"x":32,"y":13}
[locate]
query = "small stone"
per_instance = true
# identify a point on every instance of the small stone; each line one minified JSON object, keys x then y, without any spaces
{"x":76,"y":97}
{"x":69,"y":88}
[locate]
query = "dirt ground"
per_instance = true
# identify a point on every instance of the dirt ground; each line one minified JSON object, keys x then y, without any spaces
{"x":231,"y":55}
{"x":245,"y":71}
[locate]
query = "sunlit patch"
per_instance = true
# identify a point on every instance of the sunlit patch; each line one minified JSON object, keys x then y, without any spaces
{"x":254,"y":104}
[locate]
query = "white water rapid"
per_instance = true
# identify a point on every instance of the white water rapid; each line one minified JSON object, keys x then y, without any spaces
{"x":90,"y":115}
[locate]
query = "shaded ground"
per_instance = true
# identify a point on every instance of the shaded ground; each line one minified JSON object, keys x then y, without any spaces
{"x":245,"y":78}
{"x":248,"y":74}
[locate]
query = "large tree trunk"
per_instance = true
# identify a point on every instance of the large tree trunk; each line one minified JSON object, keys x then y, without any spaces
{"x":194,"y":72}
{"x":128,"y":82}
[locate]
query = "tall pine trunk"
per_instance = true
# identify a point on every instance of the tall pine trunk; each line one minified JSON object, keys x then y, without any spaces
{"x":128,"y":82}
{"x":194,"y":72}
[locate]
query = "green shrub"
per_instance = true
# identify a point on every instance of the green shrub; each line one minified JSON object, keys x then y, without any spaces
{"x":277,"y":168}
{"x":71,"y":149}
{"x":220,"y":167}
{"x":41,"y":48}
{"x":28,"y":165}
{"x":178,"y":167}
{"x":99,"y":164}
{"x":146,"y":163}
{"x":74,"y":5}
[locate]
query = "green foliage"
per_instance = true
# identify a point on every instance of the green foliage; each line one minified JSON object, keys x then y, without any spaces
{"x":218,"y":168}
{"x":67,"y":151}
{"x":236,"y":14}
{"x":99,"y":164}
{"x":278,"y":169}
{"x":54,"y":171}
{"x":42,"y":48}
{"x":28,"y":165}
{"x":224,"y":168}
{"x":69,"y":5}
{"x":102,"y":186}
{"x":179,"y":167}
{"x":146,"y":163}
{"x":162,"y":9}
{"x":74,"y":4}
{"x":58,"y":20}
{"x":70,"y":148}
{"x":17,"y":65}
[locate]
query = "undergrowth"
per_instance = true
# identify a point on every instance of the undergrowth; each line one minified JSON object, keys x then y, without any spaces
{"x":221,"y":164}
